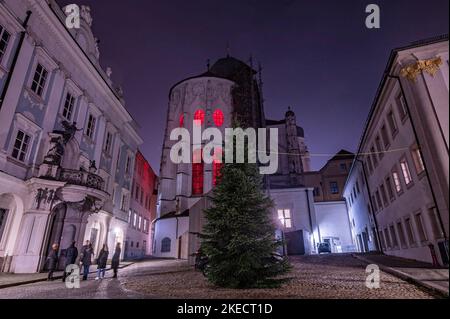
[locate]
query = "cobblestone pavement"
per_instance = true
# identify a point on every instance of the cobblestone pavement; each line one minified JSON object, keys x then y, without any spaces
{"x":316,"y":276}
{"x":324,"y":276}
{"x":107,"y":288}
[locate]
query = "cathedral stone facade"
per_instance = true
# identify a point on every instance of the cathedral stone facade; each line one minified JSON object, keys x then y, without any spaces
{"x":230,"y":91}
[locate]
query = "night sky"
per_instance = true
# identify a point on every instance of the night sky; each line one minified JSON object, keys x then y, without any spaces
{"x":318,"y":57}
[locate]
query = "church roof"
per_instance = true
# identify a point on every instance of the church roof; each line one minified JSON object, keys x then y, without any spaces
{"x":343,"y":154}
{"x":225,"y":68}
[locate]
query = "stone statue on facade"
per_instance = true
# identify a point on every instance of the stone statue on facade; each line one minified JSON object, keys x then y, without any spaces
{"x":86,"y":15}
{"x":56,"y":152}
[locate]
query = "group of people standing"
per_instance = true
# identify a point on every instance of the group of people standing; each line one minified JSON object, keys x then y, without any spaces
{"x":85,"y":260}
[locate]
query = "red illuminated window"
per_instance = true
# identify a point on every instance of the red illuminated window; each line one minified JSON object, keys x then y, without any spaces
{"x":217,"y":172}
{"x":218,"y":117}
{"x":181,"y":120}
{"x":199,"y":115}
{"x":197,"y":173}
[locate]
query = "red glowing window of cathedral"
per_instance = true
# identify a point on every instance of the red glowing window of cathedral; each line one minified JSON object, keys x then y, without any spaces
{"x":181,"y":120}
{"x":217,"y":172}
{"x":218,"y":117}
{"x":197,"y":173}
{"x":199,"y":115}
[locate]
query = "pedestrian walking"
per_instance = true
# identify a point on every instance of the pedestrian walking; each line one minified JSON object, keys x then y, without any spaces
{"x":71,"y":257}
{"x":116,"y":260}
{"x":52,"y":261}
{"x":101,"y":262}
{"x":86,"y":258}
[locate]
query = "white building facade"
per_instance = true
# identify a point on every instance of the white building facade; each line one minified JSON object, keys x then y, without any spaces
{"x":67,"y":143}
{"x":405,"y":147}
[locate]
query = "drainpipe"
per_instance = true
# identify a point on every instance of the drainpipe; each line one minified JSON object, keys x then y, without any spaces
{"x":310,"y":218}
{"x":14,"y":61}
{"x":421,"y":155}
{"x":377,"y":235}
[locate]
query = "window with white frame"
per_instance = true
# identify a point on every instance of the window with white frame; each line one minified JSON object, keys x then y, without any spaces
{"x":420,"y":227}
{"x":21,"y":146}
{"x":417,"y":158}
{"x":134,"y":220}
{"x":284,"y":215}
{"x":139,"y":222}
{"x":409,"y":231}
{"x":124,"y":204}
{"x":39,"y":80}
{"x":385,"y":136}
{"x":145,"y":225}
{"x":401,"y":105}
{"x":129,"y":216}
{"x":435,"y":226}
{"x":405,"y":171}
{"x":128,"y":165}
{"x":392,"y":123}
{"x":90,"y":128}
{"x":396,"y":179}
{"x":334,"y":188}
{"x":4,"y":39}
{"x":108,"y":143}
{"x":68,"y":106}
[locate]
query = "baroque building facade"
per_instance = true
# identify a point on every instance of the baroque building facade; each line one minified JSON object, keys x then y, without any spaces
{"x":67,"y":142}
{"x":403,"y":168}
{"x":142,"y":210}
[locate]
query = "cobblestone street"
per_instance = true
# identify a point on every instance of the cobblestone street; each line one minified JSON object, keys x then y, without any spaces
{"x":323,"y":276}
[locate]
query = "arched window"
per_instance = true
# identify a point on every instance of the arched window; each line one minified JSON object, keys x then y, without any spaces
{"x":181,"y":120}
{"x":197,"y":172}
{"x":217,"y":172}
{"x":165,"y":245}
{"x":199,"y":115}
{"x":218,"y":117}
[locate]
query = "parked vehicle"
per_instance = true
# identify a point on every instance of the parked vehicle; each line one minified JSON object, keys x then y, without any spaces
{"x":324,"y":248}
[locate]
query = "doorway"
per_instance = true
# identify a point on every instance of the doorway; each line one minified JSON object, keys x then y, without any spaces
{"x":56,"y":230}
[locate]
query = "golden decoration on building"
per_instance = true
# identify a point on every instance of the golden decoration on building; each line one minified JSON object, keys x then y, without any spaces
{"x":431,"y":66}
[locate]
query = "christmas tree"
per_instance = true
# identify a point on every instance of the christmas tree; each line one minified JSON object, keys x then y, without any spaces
{"x":239,"y":234}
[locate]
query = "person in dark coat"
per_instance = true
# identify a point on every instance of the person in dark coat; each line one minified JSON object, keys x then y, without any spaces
{"x":116,"y":260}
{"x":71,"y":258}
{"x":86,"y":258}
{"x":101,"y":262}
{"x":52,"y":261}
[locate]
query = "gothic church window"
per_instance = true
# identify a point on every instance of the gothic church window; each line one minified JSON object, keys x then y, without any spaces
{"x":199,"y":115}
{"x":218,"y":117}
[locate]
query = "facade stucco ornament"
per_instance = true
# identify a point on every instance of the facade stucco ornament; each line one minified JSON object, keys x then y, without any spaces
{"x":45,"y":198}
{"x":431,"y":66}
{"x":86,"y":14}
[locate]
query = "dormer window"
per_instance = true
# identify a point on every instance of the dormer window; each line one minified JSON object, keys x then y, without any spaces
{"x":39,"y":79}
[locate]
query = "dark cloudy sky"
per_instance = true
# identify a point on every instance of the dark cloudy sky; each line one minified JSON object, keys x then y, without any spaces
{"x":318,"y":56}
